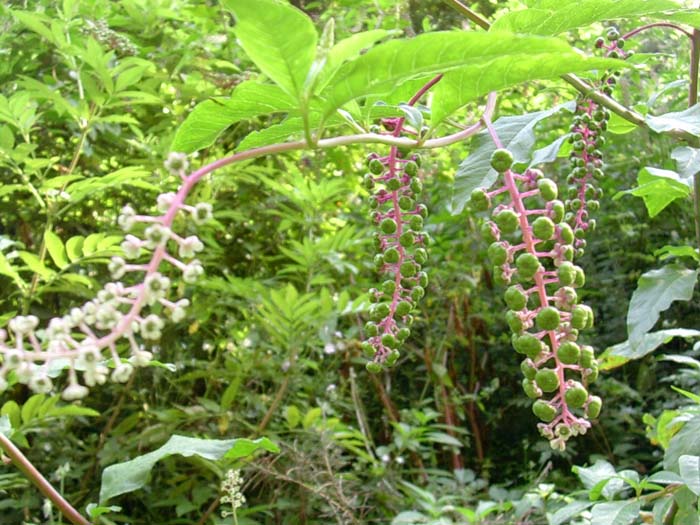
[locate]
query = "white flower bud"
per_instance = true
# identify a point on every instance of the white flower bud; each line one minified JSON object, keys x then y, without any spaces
{"x":202,"y":213}
{"x":126,"y":219}
{"x":141,"y":358}
{"x":156,"y":235}
{"x":122,"y":373}
{"x":165,"y":200}
{"x":177,"y":163}
{"x":190,"y":246}
{"x":151,"y":327}
{"x":192,"y":272}
{"x":117,"y":267}
{"x":74,"y":392}
{"x":40,"y":383}
{"x":132,"y":246}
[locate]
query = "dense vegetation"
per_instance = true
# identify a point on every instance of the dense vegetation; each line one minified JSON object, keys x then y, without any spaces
{"x":380,"y":308}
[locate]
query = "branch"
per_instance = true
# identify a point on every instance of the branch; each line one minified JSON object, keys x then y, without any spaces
{"x":23,"y":464}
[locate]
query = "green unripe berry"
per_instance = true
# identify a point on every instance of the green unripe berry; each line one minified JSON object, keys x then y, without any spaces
{"x":422,"y":210}
{"x":407,"y":239}
{"x":528,"y":265}
{"x":507,"y":220}
{"x":403,"y":308}
{"x":557,"y":211}
{"x":368,"y":182}
{"x":613,"y":34}
{"x":568,"y":253}
{"x":392,"y":358}
{"x":411,"y":168}
{"x":373,"y":295}
{"x":566,"y":273}
{"x":406,"y":203}
{"x":416,"y":223}
{"x":548,"y":189}
{"x":480,"y":200}
{"x":423,"y":279}
{"x":368,"y":349}
{"x":487,"y":232}
{"x":527,"y":344}
{"x":527,"y":367}
{"x":515,"y":298}
{"x":548,"y":318}
{"x":408,"y":269}
{"x":587,"y":357}
{"x":566,"y":233}
{"x":547,"y":379}
{"x":373,"y":367}
{"x":389,"y":341}
{"x":382,"y":310}
{"x":391,"y":256}
{"x":544,"y":410}
{"x":501,"y":160}
{"x":543,"y":228}
{"x":579,"y":317}
{"x":580,"y":279}
{"x":514,"y":322}
{"x":499,"y":277}
{"x":388,"y":226}
{"x":568,"y":353}
{"x":593,"y":408}
{"x":576,"y":395}
{"x":393,"y":184}
{"x":403,"y":334}
{"x":371,"y":329}
{"x":416,"y":186}
{"x":531,"y":389}
{"x":376,"y":166}
{"x":498,"y":253}
{"x":388,"y":286}
{"x":417,"y":293}
{"x":379,"y":261}
{"x":420,"y":255}
{"x":591,"y":373}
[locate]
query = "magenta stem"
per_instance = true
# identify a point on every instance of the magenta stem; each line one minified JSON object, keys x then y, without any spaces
{"x":657,"y":24}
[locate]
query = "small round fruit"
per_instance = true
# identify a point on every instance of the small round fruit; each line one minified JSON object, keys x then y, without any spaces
{"x":593,"y":407}
{"x":416,"y":223}
{"x":531,"y":389}
{"x":403,"y":308}
{"x":566,"y":273}
{"x":389,"y":286}
{"x":548,"y":189}
{"x":527,"y":265}
{"x":547,"y":379}
{"x":403,"y":334}
{"x":391,"y":256}
{"x":501,"y":160}
{"x":408,"y":269}
{"x":507,"y":220}
{"x":587,"y":357}
{"x":527,"y":367}
{"x":480,"y":200}
{"x":388,"y":226}
{"x":527,"y":344}
{"x":498,"y":253}
{"x":373,"y":367}
{"x":392,"y":358}
{"x":371,"y":329}
{"x":376,"y":166}
{"x":568,"y":353}
{"x":515,"y":298}
{"x":515,"y":323}
{"x":411,"y":168}
{"x":557,"y":211}
{"x":389,"y":341}
{"x":579,"y":316}
{"x":407,"y":239}
{"x":548,"y":318}
{"x":368,"y":349}
{"x":543,"y":228}
{"x":544,"y":410}
{"x":576,"y":395}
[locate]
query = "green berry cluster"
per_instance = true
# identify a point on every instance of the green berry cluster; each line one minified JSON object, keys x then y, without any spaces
{"x":532,"y":249}
{"x":400,"y":242}
{"x":587,"y":141}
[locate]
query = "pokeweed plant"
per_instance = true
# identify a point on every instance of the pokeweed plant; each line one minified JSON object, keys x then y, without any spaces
{"x":319,"y":86}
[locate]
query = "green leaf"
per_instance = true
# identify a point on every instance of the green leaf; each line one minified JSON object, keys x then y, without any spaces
{"x":56,"y":249}
{"x":658,"y":188}
{"x":622,"y":353}
{"x":615,"y":513}
{"x":687,"y":120}
{"x":276,"y":133}
{"x":132,"y":475}
{"x":211,"y":117}
{"x":655,"y":292}
{"x":687,"y":160}
{"x":293,"y":416}
{"x":685,"y":442}
{"x":665,"y":477}
{"x":551,"y":17}
{"x":7,"y":269}
{"x":665,"y":252}
{"x":620,"y":126}
{"x":494,"y":61}
{"x":5,"y":426}
{"x":602,"y":475}
{"x":279,"y":38}
{"x":516,"y":133}
{"x":346,"y":50}
{"x":573,"y":509}
{"x":689,"y":467}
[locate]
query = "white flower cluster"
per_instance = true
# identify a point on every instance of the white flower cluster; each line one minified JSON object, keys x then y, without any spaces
{"x":77,"y":340}
{"x":231,"y":487}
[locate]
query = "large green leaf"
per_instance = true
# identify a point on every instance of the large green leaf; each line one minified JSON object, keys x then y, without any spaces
{"x":488,"y":61}
{"x":211,"y":117}
{"x":551,"y":17}
{"x":517,"y":133}
{"x":626,"y":351}
{"x":687,"y":160}
{"x":279,"y":38}
{"x":689,"y":467}
{"x":655,"y":292}
{"x":132,"y":475}
{"x":615,"y":513}
{"x":658,"y":188}
{"x":687,"y":120}
{"x":685,"y":442}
